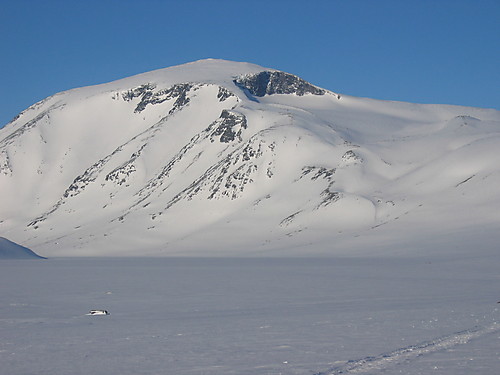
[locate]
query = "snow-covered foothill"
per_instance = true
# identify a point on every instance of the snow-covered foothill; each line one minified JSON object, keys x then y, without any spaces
{"x":12,"y":250}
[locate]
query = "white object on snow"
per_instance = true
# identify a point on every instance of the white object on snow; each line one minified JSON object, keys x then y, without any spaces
{"x":98,"y":312}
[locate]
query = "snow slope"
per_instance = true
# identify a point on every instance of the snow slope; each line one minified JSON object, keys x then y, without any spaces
{"x":219,"y":157}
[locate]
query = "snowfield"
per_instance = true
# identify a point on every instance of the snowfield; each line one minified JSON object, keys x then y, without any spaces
{"x":192,"y":316}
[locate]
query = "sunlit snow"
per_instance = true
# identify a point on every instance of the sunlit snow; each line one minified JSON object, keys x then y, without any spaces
{"x":315,"y":233}
{"x":220,"y":316}
{"x":188,"y":160}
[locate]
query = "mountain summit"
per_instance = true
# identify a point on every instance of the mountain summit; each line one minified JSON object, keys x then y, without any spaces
{"x":220,"y":157}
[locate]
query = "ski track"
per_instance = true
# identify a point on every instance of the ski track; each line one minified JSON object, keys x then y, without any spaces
{"x":398,"y":356}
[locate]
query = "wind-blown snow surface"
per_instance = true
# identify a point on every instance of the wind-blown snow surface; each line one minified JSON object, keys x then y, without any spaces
{"x":232,"y":158}
{"x":190,"y":316}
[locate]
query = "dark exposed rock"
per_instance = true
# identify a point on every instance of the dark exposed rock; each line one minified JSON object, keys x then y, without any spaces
{"x":229,"y":126}
{"x":121,"y":174}
{"x":180,"y":93}
{"x":320,"y":172}
{"x":352,"y":157}
{"x":222,"y":179}
{"x":329,"y":197}
{"x":148,"y":96}
{"x":90,"y":175}
{"x":138,"y":91}
{"x":274,"y":82}
{"x":287,"y":220}
{"x":44,"y":116}
{"x":78,"y":185}
{"x":5,"y":166}
{"x":224,"y":94}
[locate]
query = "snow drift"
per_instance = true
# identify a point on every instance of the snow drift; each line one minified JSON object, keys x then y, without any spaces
{"x":219,"y":157}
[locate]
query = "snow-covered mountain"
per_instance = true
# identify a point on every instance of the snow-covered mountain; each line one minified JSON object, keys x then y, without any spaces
{"x":232,"y":158}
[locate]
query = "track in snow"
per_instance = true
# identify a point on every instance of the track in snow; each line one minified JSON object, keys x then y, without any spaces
{"x":382,"y":361}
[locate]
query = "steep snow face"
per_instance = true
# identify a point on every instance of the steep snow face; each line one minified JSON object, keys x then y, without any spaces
{"x":223,"y":157}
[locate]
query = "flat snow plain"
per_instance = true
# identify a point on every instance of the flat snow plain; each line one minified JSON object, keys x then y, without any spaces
{"x":195,"y":316}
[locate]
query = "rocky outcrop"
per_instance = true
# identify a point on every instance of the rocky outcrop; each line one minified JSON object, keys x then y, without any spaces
{"x":274,"y":82}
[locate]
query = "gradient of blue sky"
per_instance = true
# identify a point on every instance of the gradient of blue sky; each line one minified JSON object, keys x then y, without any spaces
{"x":426,"y":51}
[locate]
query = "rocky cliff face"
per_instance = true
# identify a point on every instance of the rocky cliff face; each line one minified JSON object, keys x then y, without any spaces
{"x":273,"y":82}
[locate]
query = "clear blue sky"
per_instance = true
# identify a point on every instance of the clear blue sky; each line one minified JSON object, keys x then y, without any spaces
{"x":426,"y":51}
